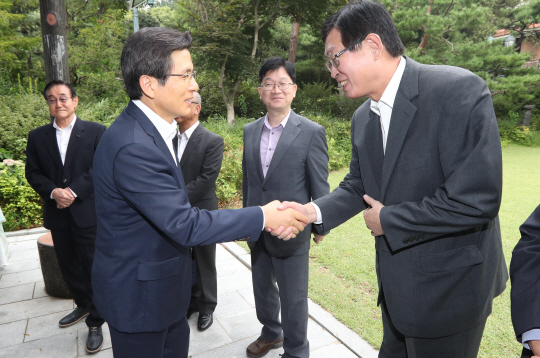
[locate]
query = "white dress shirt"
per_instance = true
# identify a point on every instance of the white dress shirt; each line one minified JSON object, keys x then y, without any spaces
{"x":165,"y":129}
{"x":183,"y":139}
{"x":62,"y":138}
{"x":384,"y":109}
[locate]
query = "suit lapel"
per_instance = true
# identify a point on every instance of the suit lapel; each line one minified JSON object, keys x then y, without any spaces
{"x":256,"y":146}
{"x":76,"y":138}
{"x":374,"y":146}
{"x":194,"y":140}
{"x":290,"y":132}
{"x":402,"y":115}
{"x":151,"y":131}
{"x":51,"y":143}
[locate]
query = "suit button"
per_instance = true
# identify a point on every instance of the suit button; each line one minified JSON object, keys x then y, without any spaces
{"x":65,"y":180}
{"x":264,"y":188}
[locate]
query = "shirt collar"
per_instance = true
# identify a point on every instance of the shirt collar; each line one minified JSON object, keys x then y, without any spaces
{"x":166,"y":130}
{"x":190,"y":130}
{"x":283,"y":122}
{"x":70,"y":125}
{"x":389,"y":95}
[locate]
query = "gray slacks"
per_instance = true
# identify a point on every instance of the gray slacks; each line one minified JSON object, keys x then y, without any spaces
{"x":291,"y":275}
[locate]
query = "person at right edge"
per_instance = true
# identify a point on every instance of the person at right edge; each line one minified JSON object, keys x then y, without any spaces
{"x":525,"y":294}
{"x":426,"y":169}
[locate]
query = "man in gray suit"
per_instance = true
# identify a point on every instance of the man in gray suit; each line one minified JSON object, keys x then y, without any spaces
{"x":426,"y":169}
{"x":279,"y":143}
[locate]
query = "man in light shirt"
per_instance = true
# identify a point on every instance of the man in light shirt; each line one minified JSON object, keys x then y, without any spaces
{"x":200,"y":153}
{"x":285,"y":158}
{"x":146,"y":226}
{"x":426,"y":169}
{"x":59,"y":159}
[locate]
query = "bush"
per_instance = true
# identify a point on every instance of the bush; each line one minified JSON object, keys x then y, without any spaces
{"x":20,"y":204}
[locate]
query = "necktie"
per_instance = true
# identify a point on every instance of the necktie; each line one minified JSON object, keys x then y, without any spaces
{"x":175,"y":147}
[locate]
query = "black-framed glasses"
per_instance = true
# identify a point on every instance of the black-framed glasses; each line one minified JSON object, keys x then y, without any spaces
{"x":282,"y":86}
{"x":334,"y":60}
{"x":61,"y":99}
{"x":194,"y":102}
{"x":187,"y":76}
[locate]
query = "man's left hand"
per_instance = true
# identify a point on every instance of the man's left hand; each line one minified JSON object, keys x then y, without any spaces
{"x":318,"y":238}
{"x":371,"y":216}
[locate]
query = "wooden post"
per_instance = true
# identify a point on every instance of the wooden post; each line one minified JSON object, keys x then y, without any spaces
{"x":54,"y":35}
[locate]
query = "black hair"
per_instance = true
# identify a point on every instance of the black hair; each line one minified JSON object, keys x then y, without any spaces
{"x":53,"y":83}
{"x":148,"y":52}
{"x":275,"y":63}
{"x":360,"y":18}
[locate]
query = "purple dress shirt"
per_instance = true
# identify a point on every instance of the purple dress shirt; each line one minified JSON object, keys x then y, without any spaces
{"x":269,"y":140}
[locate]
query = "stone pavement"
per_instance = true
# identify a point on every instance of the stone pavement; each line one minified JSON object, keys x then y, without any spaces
{"x":29,"y":317}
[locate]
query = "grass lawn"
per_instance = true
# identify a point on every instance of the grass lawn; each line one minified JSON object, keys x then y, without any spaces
{"x":343,"y":278}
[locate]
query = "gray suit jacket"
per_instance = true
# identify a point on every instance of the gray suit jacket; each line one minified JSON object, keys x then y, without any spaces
{"x":440,"y":262}
{"x":298,"y":172}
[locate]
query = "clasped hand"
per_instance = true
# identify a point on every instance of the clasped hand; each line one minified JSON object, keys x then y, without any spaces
{"x":290,"y":221}
{"x":308,"y":213}
{"x":63,"y":197}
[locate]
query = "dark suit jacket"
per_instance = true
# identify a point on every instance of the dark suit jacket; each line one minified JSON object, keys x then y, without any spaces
{"x":298,"y":172}
{"x":141,"y":275}
{"x":525,"y":277}
{"x":45,"y":172}
{"x":200,"y":163}
{"x":440,"y":262}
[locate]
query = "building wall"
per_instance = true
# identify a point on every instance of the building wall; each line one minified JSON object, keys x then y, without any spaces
{"x":532,"y":47}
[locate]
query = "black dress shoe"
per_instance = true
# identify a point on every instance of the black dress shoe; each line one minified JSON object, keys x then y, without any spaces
{"x":191,"y":311}
{"x":204,"y":321}
{"x":94,"y":342}
{"x":74,"y":317}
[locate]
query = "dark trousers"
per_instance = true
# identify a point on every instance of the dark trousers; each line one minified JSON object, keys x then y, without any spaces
{"x":172,"y":342}
{"x":204,"y":291}
{"x":74,"y":249}
{"x":291,"y":275}
{"x":396,"y":345}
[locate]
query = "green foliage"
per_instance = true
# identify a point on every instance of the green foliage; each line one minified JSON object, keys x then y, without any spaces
{"x":19,"y":114}
{"x":512,"y":131}
{"x":20,"y":204}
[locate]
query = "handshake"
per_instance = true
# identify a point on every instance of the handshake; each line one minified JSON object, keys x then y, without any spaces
{"x":285,"y":220}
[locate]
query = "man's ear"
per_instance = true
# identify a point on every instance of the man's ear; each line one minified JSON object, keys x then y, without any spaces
{"x":148,"y":84}
{"x":375,"y":45}
{"x":197,"y":109}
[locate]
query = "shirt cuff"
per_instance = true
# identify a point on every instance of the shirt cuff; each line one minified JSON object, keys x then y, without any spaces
{"x":319,"y":215}
{"x":53,"y":192}
{"x":72,"y":192}
{"x":531,"y":335}
{"x":264,"y":218}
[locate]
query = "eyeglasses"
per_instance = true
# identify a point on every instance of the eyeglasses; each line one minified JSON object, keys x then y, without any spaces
{"x":270,"y":86}
{"x":334,"y":61}
{"x":52,"y":100}
{"x":187,"y":76}
{"x":194,"y":102}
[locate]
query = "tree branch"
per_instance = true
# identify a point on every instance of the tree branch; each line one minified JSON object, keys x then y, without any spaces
{"x":451,"y":44}
{"x":451,"y":4}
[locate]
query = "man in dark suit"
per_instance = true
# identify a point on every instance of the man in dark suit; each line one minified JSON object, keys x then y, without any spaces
{"x":525,"y":295}
{"x":142,"y":265}
{"x":59,"y":160}
{"x":200,"y":152}
{"x":285,"y":158}
{"x":426,"y":167}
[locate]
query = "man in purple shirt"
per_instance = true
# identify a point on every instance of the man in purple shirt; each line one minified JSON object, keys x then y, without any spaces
{"x":285,"y":158}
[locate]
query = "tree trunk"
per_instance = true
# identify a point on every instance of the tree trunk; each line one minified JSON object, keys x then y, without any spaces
{"x":293,"y":41}
{"x":54,"y":35}
{"x":424,"y":40}
{"x":230,"y":111}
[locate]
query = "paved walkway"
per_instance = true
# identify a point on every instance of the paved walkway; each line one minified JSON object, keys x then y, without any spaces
{"x":29,"y":317}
